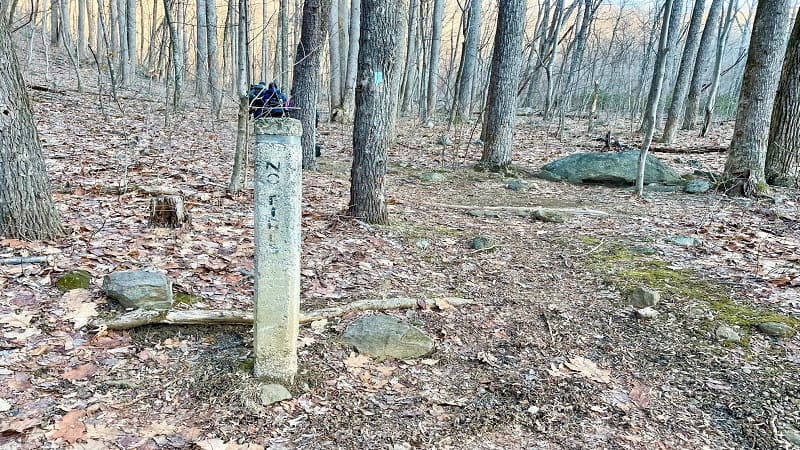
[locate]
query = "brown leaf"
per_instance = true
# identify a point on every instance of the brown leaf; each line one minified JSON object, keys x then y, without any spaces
{"x":640,"y":395}
{"x":70,"y":427}
{"x":80,"y":372}
{"x":589,"y":369}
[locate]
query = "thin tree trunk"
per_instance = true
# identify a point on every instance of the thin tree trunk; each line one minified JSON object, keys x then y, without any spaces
{"x":201,"y":55}
{"x":433,"y":64}
{"x":130,"y":33}
{"x":410,"y":74}
{"x":242,"y":78}
{"x":283,"y":42}
{"x":701,"y":64}
{"x":335,"y":78}
{"x":177,"y":56}
{"x":265,"y":30}
{"x":472,"y":35}
{"x":213,"y":58}
{"x":654,"y":95}
{"x":80,"y":45}
{"x":348,"y":103}
{"x":722,"y":40}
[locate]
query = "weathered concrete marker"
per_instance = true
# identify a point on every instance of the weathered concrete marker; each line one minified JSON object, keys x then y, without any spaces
{"x":278,"y":186}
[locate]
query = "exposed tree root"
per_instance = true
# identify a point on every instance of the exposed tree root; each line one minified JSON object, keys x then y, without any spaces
{"x":138,"y":318}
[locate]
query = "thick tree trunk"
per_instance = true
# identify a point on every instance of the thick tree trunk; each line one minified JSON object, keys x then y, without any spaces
{"x":783,"y":151}
{"x":684,"y":72}
{"x":744,"y":169}
{"x":472,"y":35}
{"x":26,"y":205}
{"x":122,"y":26}
{"x":433,"y":63}
{"x":498,"y":125}
{"x":701,"y":64}
{"x":306,"y":74}
{"x":381,"y":43}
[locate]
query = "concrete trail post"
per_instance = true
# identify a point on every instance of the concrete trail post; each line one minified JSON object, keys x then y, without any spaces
{"x":278,"y":186}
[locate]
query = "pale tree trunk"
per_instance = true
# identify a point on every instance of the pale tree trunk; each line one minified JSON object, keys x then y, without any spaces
{"x":213,"y":58}
{"x":381,"y":43}
{"x":265,"y":30}
{"x":410,"y":74}
{"x":472,"y":36}
{"x":26,"y":204}
{"x":344,"y":40}
{"x":348,"y":102}
{"x":201,"y":64}
{"x":701,"y":64}
{"x":559,"y":16}
{"x":178,"y":63}
{"x":654,"y":94}
{"x":782,"y":166}
{"x":335,"y":76}
{"x":744,"y":168}
{"x":122,"y":26}
{"x":433,"y":63}
{"x":684,"y":72}
{"x":229,"y":53}
{"x":113,"y":26}
{"x":130,"y":33}
{"x":306,"y":74}
{"x":243,"y":59}
{"x":80,"y":46}
{"x":589,"y":11}
{"x":501,"y":106}
{"x":675,"y":26}
{"x":283,"y":43}
{"x":722,"y":40}
{"x":659,"y":67}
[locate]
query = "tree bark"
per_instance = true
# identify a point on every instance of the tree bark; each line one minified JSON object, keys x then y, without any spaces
{"x":26,"y":204}
{"x":177,"y":56}
{"x":654,"y":94}
{"x":130,"y":33}
{"x":433,"y":64}
{"x":501,"y":107}
{"x":201,"y":63}
{"x":701,"y":64}
{"x":472,"y":35}
{"x":283,"y":42}
{"x":783,"y":150}
{"x":242,"y":79}
{"x":213,"y":58}
{"x":380,"y":47}
{"x":349,"y":100}
{"x":744,"y":168}
{"x":722,"y":39}
{"x":335,"y":78}
{"x":412,"y":57}
{"x":684,"y":72}
{"x":306,"y":74}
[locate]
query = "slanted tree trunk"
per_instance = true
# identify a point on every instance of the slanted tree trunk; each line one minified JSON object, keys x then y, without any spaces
{"x":472,"y":36}
{"x":213,"y":58}
{"x":744,"y":168}
{"x":26,"y":205}
{"x":783,"y":150}
{"x":412,"y":57}
{"x":701,"y":64}
{"x":659,"y":67}
{"x":306,"y":74}
{"x":433,"y":63}
{"x":655,"y":86}
{"x":501,"y":103}
{"x":349,"y":100}
{"x":684,"y":72}
{"x":380,"y":46}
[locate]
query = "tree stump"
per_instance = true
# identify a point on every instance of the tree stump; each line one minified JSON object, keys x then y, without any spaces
{"x":168,"y":211}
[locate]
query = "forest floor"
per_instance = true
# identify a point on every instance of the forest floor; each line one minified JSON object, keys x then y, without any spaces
{"x":550,"y":355}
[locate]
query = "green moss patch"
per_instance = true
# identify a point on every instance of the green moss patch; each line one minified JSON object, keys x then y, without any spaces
{"x":186,"y":298}
{"x":74,"y":279}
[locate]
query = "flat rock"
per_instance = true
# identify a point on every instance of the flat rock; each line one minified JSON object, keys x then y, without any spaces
{"x":432,"y":177}
{"x":515,"y":184}
{"x":548,"y":215}
{"x":273,"y":393}
{"x":608,"y":167}
{"x":726,"y":334}
{"x":479,"y":243}
{"x":646,"y":313}
{"x":643,"y":297}
{"x":684,"y":241}
{"x":697,"y":187}
{"x":139,"y":289}
{"x":776,"y":329}
{"x":792,"y":435}
{"x":383,"y":336}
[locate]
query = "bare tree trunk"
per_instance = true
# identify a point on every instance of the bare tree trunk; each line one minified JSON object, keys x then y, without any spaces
{"x":201,"y":55}
{"x":782,"y":166}
{"x":472,"y":35}
{"x":26,"y":204}
{"x":80,"y":45}
{"x":335,"y":78}
{"x":213,"y":58}
{"x":675,"y":25}
{"x":381,"y":41}
{"x":283,"y":42}
{"x":348,"y":102}
{"x":589,"y":11}
{"x":684,"y":72}
{"x":410,"y":74}
{"x":654,"y":95}
{"x":306,"y":74}
{"x":130,"y":33}
{"x":433,"y":64}
{"x":722,"y":40}
{"x":744,"y":168}
{"x":55,"y":22}
{"x":265,"y":30}
{"x":498,"y":125}
{"x":710,"y":32}
{"x":649,"y":122}
{"x":242,"y":78}
{"x":176,"y":45}
{"x":122,"y":26}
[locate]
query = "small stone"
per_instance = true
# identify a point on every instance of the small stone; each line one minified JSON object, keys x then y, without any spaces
{"x":479,"y":243}
{"x":432,"y":177}
{"x":445,"y":140}
{"x":643,"y":297}
{"x":792,"y":435}
{"x":697,"y":187}
{"x":483,"y":213}
{"x":776,"y":329}
{"x":643,"y":250}
{"x":139,"y":289}
{"x":423,"y":244}
{"x":273,"y":393}
{"x":548,"y":215}
{"x":726,"y":334}
{"x":646,"y":313}
{"x":515,"y":185}
{"x":74,"y":279}
{"x":684,"y":241}
{"x":697,"y":313}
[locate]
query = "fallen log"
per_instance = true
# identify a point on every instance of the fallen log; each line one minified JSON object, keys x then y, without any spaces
{"x":24,"y":260}
{"x":523,"y":210}
{"x":138,"y":318}
{"x":694,"y":150}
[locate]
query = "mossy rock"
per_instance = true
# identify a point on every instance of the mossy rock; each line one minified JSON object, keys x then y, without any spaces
{"x":74,"y":279}
{"x":479,"y":243}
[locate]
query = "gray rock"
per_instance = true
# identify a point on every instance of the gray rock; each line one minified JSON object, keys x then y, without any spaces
{"x":515,"y":185}
{"x":384,"y":336}
{"x":646,"y":313}
{"x":643,"y":297}
{"x":792,"y":435}
{"x":479,"y":243}
{"x":483,"y":213}
{"x":423,"y":244}
{"x":608,"y":167}
{"x":776,"y":329}
{"x":139,"y":289}
{"x":273,"y":393}
{"x":433,"y":177}
{"x":726,"y":334}
{"x":684,"y":241}
{"x":697,"y":187}
{"x":445,"y":140}
{"x":643,"y":250}
{"x":548,"y":215}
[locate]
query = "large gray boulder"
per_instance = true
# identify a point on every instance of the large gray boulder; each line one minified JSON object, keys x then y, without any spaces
{"x":139,"y":289}
{"x":384,"y":336}
{"x":608,"y":167}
